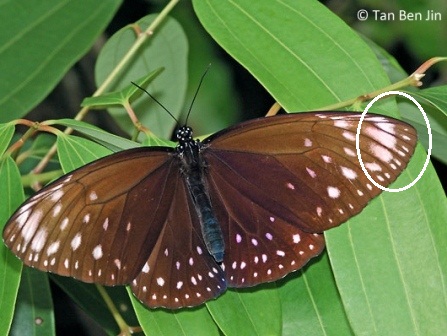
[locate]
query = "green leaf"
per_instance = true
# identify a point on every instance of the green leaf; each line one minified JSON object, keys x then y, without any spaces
{"x":34,"y":309}
{"x":39,"y":42}
{"x":435,"y":105}
{"x":75,"y":152}
{"x":166,"y":48}
{"x":122,"y":96}
{"x":322,"y":312}
{"x":295,"y":68}
{"x":6,"y":133}
{"x":401,"y":255}
{"x":11,"y":194}
{"x":434,"y":96}
{"x":248,"y":311}
{"x":108,"y":140}
{"x":192,"y":321}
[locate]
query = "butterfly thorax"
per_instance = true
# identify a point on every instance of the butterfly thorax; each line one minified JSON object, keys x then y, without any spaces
{"x":193,"y":169}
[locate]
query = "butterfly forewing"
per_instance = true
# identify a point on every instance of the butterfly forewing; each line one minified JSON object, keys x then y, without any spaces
{"x":311,"y":176}
{"x":88,"y":224}
{"x":179,"y":272}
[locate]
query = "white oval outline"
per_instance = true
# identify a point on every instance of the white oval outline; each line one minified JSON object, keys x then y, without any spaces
{"x":357,"y":141}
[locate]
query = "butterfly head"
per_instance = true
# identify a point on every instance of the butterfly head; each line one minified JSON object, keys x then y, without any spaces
{"x":184,"y":134}
{"x":184,"y":137}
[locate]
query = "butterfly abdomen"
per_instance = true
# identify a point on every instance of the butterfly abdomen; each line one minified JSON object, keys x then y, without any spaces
{"x":193,"y":168}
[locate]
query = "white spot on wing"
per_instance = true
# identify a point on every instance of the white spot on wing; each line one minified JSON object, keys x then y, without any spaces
{"x":333,"y":192}
{"x":280,"y":253}
{"x":372,"y":166}
{"x":381,"y":137}
{"x":97,"y":252}
{"x":31,"y":225}
{"x":93,"y":196}
{"x":349,"y":136}
{"x":86,"y":218}
{"x":76,"y":241}
{"x":381,"y":152}
{"x":319,"y":211}
{"x":105,"y":225}
{"x":57,"y":209}
{"x":342,"y":123}
{"x":39,"y":240}
{"x":117,"y":263}
{"x":311,"y":172}
{"x":348,"y":173}
{"x":22,"y":218}
{"x":326,"y":158}
{"x":57,"y":194}
{"x":53,"y":248}
{"x":64,"y":224}
{"x":349,"y":152}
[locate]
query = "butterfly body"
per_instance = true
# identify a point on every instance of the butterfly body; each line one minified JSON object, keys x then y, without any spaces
{"x":247,"y":205}
{"x":193,"y":170}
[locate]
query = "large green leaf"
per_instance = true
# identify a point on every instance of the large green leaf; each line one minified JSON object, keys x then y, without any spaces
{"x":39,"y":42}
{"x":166,"y":48}
{"x":11,"y":195}
{"x":34,"y":309}
{"x":75,"y":152}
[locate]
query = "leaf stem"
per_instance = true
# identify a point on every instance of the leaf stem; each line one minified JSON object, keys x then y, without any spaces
{"x":125,"y":329}
{"x":412,"y":80}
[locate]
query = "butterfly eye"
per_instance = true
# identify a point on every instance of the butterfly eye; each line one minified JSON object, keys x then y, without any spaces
{"x":247,"y":205}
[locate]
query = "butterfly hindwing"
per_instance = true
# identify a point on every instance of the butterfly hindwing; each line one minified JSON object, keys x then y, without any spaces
{"x":179,"y":272}
{"x":260,"y":246}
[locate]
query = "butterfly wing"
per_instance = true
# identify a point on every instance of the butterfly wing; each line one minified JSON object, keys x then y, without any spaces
{"x":56,"y":230}
{"x":179,"y":272}
{"x":309,"y":180}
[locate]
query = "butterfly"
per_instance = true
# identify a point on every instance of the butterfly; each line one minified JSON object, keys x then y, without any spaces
{"x":245,"y":206}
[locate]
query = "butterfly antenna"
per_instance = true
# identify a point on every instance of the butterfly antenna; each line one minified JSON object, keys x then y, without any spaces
{"x":197,"y":91}
{"x":155,"y":99}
